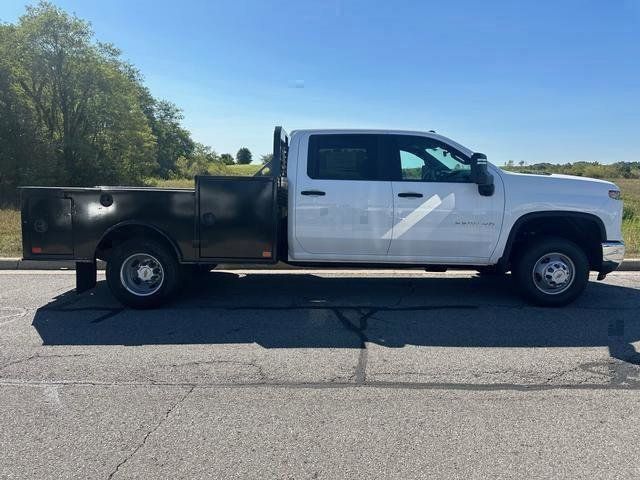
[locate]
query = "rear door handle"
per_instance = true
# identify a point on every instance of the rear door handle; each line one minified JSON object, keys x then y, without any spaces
{"x":410,"y":195}
{"x":316,"y":193}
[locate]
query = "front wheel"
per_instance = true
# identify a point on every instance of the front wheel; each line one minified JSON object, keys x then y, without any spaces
{"x":142,"y":273}
{"x":552,"y":272}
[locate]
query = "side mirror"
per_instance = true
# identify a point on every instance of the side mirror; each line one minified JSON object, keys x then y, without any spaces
{"x":480,"y":174}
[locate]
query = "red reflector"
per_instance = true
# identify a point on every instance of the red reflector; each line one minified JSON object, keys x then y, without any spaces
{"x":36,"y":249}
{"x":266,"y":253}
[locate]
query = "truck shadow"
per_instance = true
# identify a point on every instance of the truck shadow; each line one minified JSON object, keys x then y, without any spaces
{"x":285,"y":310}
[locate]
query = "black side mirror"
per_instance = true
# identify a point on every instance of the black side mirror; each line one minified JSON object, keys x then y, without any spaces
{"x":480,"y":174}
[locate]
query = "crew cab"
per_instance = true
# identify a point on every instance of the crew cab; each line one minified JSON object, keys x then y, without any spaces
{"x":338,"y":198}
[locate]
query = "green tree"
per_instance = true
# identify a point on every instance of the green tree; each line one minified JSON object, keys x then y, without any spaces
{"x":83,"y":97}
{"x":266,"y":158}
{"x":243,"y":157}
{"x":21,"y":146}
{"x":586,"y":169}
{"x":73,"y":112}
{"x":202,"y":161}
{"x":227,"y":159}
{"x":173,"y":141}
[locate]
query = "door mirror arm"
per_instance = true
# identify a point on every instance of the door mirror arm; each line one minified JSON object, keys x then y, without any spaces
{"x":481,"y":176}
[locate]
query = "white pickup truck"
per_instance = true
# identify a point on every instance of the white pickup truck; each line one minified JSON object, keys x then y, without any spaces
{"x":338,"y":198}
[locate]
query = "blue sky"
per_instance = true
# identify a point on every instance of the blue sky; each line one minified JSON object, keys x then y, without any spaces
{"x":535,"y":81}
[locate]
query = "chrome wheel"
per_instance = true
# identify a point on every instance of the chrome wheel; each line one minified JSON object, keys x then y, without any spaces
{"x":553,"y":273}
{"x":142,"y":274}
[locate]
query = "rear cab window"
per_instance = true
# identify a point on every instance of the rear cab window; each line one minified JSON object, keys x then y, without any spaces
{"x":344,"y":157}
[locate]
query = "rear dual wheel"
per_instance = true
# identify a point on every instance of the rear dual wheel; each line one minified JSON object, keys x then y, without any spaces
{"x":142,"y":273}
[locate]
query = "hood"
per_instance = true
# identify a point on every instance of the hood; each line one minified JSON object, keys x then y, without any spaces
{"x":556,"y":179}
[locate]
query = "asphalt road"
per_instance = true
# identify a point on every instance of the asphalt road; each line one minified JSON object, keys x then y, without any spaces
{"x":319,"y":375}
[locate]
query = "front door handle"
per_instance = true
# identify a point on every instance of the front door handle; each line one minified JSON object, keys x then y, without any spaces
{"x":410,"y":195}
{"x":316,"y":193}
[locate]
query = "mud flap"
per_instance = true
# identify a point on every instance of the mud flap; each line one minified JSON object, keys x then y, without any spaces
{"x":86,"y":276}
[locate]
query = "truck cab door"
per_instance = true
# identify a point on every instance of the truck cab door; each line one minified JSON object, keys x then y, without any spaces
{"x":439,"y":216}
{"x":342,"y":208}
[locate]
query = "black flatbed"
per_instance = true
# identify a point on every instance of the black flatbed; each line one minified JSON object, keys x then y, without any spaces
{"x":222,"y":219}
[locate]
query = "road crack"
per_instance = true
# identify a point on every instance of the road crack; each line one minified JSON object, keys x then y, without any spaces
{"x":562,"y":374}
{"x":151,"y":431}
{"x":359,"y":329}
{"x":262,"y":376}
{"x":37,"y":355}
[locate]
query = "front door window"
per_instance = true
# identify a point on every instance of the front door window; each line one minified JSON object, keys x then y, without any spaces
{"x":426,"y":160}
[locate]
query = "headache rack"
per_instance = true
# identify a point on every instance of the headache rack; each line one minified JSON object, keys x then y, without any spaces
{"x":279,"y":171}
{"x":280,"y":154}
{"x":279,"y":166}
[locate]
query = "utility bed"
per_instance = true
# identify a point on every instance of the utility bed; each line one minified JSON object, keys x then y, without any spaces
{"x":224,"y":218}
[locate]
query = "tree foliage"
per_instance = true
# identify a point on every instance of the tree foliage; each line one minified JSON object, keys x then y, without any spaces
{"x":72,"y":112}
{"x":581,"y":169}
{"x":172,"y":139}
{"x":202,"y":161}
{"x":227,"y":159}
{"x":266,"y":158}
{"x":243,"y":157}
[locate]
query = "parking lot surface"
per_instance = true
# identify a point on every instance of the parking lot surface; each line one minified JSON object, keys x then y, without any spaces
{"x":319,"y":374}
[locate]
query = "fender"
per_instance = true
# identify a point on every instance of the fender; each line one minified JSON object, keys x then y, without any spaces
{"x":547,"y":214}
{"x":136,"y":223}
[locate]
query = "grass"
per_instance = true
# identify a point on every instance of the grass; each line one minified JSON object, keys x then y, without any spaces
{"x":631,"y":217}
{"x":244,"y":169}
{"x":10,"y":235}
{"x":11,"y":244}
{"x":230,"y":170}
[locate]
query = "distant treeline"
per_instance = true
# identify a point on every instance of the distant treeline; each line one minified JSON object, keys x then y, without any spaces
{"x":582,"y":169}
{"x":72,"y":112}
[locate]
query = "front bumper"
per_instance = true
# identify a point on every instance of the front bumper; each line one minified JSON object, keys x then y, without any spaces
{"x":612,"y":256}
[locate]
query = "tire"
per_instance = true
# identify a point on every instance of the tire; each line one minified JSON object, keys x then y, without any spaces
{"x":551,"y":272}
{"x":142,"y":273}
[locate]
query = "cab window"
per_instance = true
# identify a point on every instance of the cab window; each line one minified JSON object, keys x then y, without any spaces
{"x":424,"y":159}
{"x":343,"y":157}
